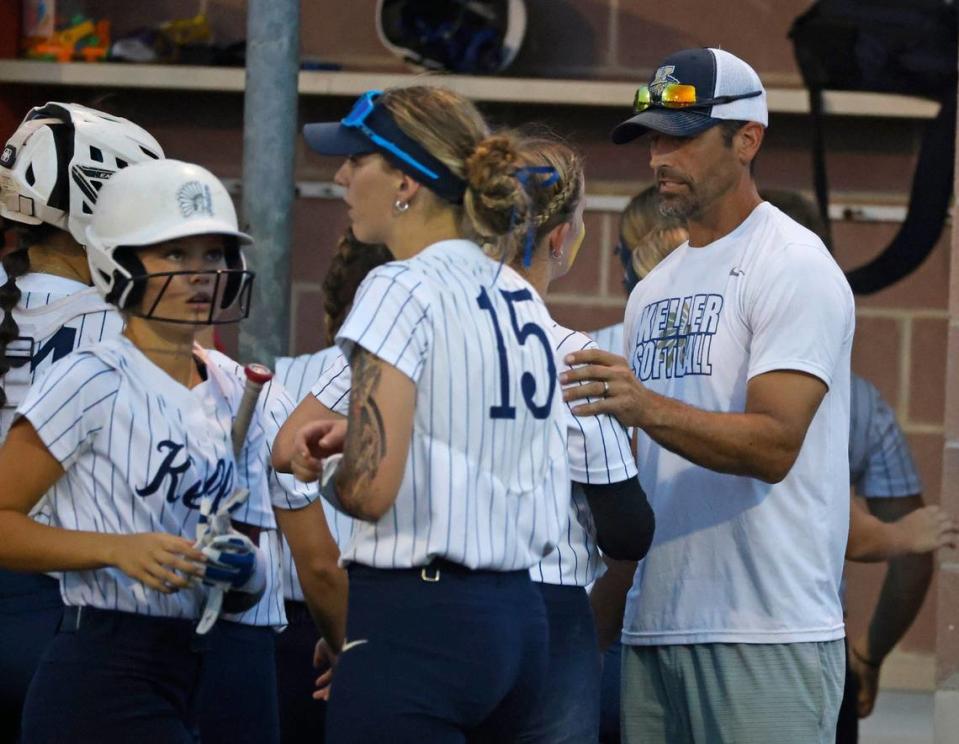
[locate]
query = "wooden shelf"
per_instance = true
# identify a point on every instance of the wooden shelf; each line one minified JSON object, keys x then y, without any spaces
{"x":498,"y":89}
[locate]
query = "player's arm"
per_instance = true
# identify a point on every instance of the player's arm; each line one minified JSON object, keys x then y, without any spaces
{"x":902,"y":595}
{"x":624,"y":520}
{"x":382,"y":404}
{"x":762,"y":442}
{"x":608,"y":600}
{"x":315,"y":554}
{"x":309,"y":409}
{"x":27,"y":471}
{"x":920,"y":530}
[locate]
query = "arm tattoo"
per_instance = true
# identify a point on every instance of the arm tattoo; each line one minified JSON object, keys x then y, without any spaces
{"x":365,"y":445}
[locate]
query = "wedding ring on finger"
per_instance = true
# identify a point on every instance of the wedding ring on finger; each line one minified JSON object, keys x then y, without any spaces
{"x":605,"y":388}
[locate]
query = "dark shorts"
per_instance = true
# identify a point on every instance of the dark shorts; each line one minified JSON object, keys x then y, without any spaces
{"x":568,"y":708}
{"x":442,"y":655}
{"x":114,"y":678}
{"x":302,"y":719}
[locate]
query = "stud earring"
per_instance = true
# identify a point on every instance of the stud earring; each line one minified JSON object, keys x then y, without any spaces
{"x":401,"y":206}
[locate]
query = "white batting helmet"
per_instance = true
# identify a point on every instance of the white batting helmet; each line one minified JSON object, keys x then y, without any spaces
{"x":54,"y":165}
{"x":154,"y":202}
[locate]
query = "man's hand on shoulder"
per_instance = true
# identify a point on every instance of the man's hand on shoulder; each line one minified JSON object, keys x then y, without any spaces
{"x":602,"y":382}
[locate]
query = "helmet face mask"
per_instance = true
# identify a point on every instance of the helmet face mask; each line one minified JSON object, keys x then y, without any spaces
{"x":229,"y":289}
{"x":158,"y":203}
{"x":54,"y":165}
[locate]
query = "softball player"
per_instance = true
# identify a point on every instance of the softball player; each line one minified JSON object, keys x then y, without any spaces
{"x":238,"y":700}
{"x":455,"y":459}
{"x":49,"y":309}
{"x":128,"y":438}
{"x":608,"y":508}
{"x":302,"y":718}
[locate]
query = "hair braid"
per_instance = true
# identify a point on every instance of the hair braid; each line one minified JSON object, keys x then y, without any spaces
{"x":558,"y":202}
{"x":16,"y":263}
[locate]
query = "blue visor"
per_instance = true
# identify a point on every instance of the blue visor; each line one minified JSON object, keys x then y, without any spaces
{"x":370,"y":128}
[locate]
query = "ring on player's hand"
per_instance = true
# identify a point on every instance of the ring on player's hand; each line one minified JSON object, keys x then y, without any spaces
{"x":605,"y":388}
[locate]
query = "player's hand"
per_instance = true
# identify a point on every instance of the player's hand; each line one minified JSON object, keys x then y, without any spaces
{"x":867,"y":676}
{"x":928,"y":529}
{"x":312,"y":443}
{"x":605,"y":384}
{"x":324,"y":659}
{"x":158,"y":560}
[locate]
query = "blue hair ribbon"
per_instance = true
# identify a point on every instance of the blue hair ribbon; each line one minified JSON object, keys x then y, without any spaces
{"x":524,"y":175}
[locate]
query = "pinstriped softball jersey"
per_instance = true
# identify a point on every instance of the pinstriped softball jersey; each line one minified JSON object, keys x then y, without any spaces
{"x":598,"y":453}
{"x":299,"y":374}
{"x":285,"y":492}
{"x":139,"y":451}
{"x":486,"y":479}
{"x":281,"y":490}
{"x":609,"y":338}
{"x":54,"y":316}
{"x":880,"y":462}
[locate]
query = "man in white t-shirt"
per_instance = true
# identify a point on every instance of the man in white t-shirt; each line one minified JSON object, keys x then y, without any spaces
{"x":737,"y":376}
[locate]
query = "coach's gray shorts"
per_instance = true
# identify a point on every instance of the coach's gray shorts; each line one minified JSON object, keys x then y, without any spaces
{"x":728,"y":693}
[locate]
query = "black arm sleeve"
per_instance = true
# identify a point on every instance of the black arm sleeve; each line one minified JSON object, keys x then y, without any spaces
{"x":624,"y":519}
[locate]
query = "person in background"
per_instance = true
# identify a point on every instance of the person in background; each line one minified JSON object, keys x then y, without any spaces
{"x":302,"y":718}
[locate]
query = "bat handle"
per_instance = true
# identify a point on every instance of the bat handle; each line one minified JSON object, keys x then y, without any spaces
{"x":257,"y":376}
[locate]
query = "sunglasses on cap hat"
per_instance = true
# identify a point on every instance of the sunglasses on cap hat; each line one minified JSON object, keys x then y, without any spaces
{"x":680,"y":96}
{"x":356,"y":119}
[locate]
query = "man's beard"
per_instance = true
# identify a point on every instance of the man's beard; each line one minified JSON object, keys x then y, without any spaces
{"x":679,"y":206}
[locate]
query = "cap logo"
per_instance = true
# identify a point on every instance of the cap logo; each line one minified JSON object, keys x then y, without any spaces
{"x":664,"y":76}
{"x":195,"y":199}
{"x":9,"y":156}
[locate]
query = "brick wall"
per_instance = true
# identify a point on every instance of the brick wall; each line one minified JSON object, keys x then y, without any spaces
{"x":902,"y":331}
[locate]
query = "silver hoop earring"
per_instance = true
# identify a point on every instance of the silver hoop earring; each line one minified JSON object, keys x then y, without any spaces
{"x":401,"y":206}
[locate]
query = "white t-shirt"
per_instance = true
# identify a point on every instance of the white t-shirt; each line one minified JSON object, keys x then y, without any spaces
{"x":486,"y":479}
{"x":734,"y":559}
{"x":599,"y":452}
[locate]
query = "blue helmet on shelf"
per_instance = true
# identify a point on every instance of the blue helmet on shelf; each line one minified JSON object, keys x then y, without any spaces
{"x":470,"y":37}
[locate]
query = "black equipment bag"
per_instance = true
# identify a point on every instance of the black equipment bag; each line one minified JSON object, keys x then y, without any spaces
{"x":887,"y":46}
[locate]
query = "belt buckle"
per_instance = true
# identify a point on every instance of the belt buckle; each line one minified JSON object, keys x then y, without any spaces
{"x":424,"y":575}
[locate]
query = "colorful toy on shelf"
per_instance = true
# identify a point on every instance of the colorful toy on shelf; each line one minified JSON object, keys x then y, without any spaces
{"x":81,"y":39}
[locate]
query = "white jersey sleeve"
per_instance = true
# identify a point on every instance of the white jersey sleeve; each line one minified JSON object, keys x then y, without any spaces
{"x":70,"y":406}
{"x":599,"y":452}
{"x":332,"y":389}
{"x":390,"y":319}
{"x":299,"y":374}
{"x":793,"y":301}
{"x":598,"y":445}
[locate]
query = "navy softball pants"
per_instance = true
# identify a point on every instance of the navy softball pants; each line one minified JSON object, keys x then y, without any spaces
{"x":442,"y":655}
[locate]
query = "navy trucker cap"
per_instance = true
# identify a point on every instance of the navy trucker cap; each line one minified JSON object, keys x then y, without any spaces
{"x":715,"y":74}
